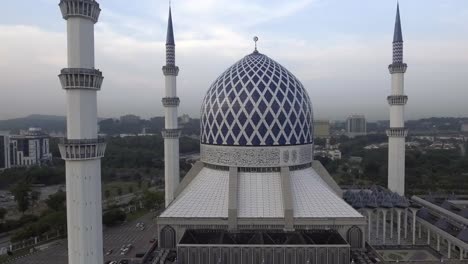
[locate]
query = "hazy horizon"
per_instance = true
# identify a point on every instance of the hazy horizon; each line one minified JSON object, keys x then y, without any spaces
{"x":339,"y":50}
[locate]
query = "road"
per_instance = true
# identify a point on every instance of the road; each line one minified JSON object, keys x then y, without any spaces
{"x":114,"y":238}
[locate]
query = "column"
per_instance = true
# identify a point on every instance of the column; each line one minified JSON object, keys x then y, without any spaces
{"x":384,"y":227}
{"x":449,"y":246}
{"x":438,"y":242}
{"x":406,"y":223}
{"x":399,"y":227}
{"x":391,"y":223}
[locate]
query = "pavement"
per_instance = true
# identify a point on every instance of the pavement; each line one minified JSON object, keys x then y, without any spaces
{"x":114,"y":238}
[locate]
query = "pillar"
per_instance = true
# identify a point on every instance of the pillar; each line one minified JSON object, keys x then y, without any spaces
{"x":399,"y":227}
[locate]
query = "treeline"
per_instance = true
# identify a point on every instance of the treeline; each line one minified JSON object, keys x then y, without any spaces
{"x":142,"y":152}
{"x":154,"y":125}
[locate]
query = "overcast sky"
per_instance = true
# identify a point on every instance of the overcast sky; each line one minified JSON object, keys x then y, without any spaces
{"x":339,"y":49}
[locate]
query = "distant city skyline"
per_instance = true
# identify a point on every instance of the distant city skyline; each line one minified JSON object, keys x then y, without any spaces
{"x":340,"y":51}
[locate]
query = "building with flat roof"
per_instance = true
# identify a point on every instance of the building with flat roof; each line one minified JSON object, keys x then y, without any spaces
{"x":29,"y":148}
{"x":356,"y":126}
{"x":322,"y":129}
{"x":4,"y":151}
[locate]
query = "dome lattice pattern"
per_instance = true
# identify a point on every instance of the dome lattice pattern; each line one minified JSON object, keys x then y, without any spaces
{"x":256,"y":102}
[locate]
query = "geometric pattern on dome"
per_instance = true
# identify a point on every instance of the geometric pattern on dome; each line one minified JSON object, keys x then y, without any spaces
{"x":256,"y":102}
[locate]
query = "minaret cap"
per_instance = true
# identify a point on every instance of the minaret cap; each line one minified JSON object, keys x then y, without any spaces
{"x":397,"y":35}
{"x":170,"y":30}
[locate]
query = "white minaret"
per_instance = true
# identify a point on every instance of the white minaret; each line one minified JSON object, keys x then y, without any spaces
{"x":82,"y":150}
{"x":171,"y":132}
{"x":397,"y":101}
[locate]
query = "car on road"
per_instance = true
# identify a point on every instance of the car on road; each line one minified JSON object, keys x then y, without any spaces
{"x":124,"y":261}
{"x":108,"y":252}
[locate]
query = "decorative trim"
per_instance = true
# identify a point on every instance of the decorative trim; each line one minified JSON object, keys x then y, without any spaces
{"x":171,"y":133}
{"x":397,"y":132}
{"x":171,"y":101}
{"x":397,"y":99}
{"x":82,"y":149}
{"x":170,"y":70}
{"x":80,"y":78}
{"x":268,"y":156}
{"x":397,"y":68}
{"x":80,"y":8}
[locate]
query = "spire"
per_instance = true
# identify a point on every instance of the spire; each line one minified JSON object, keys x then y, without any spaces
{"x":397,"y":35}
{"x":170,"y":30}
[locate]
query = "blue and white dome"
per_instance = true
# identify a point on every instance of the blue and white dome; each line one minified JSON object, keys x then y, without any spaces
{"x":256,"y":102}
{"x":256,"y":114}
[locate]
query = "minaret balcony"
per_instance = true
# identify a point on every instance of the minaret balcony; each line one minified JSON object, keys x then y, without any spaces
{"x":80,"y":8}
{"x":397,"y":99}
{"x":397,"y":68}
{"x":82,"y":149}
{"x":170,"y":70}
{"x":80,"y":78}
{"x":397,"y":132}
{"x":171,"y":101}
{"x":171,"y":133}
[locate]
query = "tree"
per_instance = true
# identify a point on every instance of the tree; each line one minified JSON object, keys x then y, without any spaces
{"x":113,"y":217}
{"x":130,"y":189}
{"x":119,"y":191}
{"x":35,"y":196}
{"x":56,"y":201}
{"x":152,"y":199}
{"x":107,"y":194}
{"x":3,"y":213}
{"x":21,"y":192}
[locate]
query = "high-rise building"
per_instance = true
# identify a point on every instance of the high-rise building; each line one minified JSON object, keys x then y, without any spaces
{"x":30,"y":148}
{"x":322,"y":129}
{"x":397,"y":101}
{"x":82,"y":150}
{"x":464,"y":127}
{"x":4,"y":151}
{"x":356,"y":125}
{"x":171,"y":133}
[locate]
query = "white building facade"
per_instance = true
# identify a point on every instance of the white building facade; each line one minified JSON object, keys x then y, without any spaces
{"x":82,"y":150}
{"x":356,"y":125}
{"x":397,"y":101}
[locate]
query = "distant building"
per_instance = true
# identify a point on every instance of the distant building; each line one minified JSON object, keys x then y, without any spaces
{"x":464,"y":127}
{"x":184,"y":119}
{"x":4,"y":151}
{"x":29,"y":148}
{"x":130,"y":119}
{"x":356,"y":126}
{"x":322,"y":129}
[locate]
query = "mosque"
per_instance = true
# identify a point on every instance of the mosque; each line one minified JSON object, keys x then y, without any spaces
{"x":256,"y":196}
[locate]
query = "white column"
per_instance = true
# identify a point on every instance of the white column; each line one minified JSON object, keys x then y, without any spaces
{"x":461,"y":253}
{"x":377,"y":224}
{"x":369,"y":227}
{"x":83,"y":174}
{"x":406,"y":223}
{"x":399,"y":227}
{"x":428,"y":236}
{"x":391,"y":222}
{"x":384,"y":227}
{"x":449,"y":246}
{"x":414,"y":227}
{"x":438,"y":242}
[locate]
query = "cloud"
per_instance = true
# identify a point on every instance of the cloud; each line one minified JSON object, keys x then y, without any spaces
{"x":344,"y":73}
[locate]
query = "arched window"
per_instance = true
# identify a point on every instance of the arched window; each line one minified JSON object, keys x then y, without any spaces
{"x":354,"y":237}
{"x":168,"y":238}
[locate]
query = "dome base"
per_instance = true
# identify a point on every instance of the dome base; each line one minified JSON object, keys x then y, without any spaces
{"x":267,"y":156}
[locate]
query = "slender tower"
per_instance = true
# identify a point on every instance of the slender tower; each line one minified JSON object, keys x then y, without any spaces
{"x":397,"y":101}
{"x":171,"y":132}
{"x":82,"y":150}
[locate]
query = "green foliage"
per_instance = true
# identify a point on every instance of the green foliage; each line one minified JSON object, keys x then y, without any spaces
{"x":33,"y":175}
{"x":51,"y":221}
{"x":107,"y":194}
{"x":152,"y":199}
{"x":119,"y":191}
{"x":3,"y":213}
{"x":56,"y":202}
{"x":113,"y":217}
{"x":21,"y":192}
